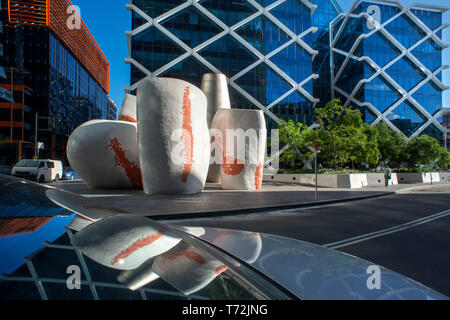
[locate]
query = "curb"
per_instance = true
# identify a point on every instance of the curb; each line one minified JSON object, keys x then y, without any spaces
{"x":422,"y":186}
{"x":223,"y":213}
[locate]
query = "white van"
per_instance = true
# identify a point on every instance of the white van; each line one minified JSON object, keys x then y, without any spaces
{"x":38,"y":170}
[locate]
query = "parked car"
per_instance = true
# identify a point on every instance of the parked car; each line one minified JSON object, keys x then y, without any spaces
{"x":38,"y":170}
{"x":130,"y":256}
{"x":69,"y":174}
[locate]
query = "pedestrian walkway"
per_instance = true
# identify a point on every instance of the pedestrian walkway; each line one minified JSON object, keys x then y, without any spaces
{"x":214,"y":201}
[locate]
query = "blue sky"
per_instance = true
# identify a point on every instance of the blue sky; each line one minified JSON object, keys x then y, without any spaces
{"x":108,"y":20}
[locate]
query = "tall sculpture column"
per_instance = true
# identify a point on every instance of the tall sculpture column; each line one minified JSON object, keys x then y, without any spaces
{"x":215,"y":87}
{"x":173,"y":136}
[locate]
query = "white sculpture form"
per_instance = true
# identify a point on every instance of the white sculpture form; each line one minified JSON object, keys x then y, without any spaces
{"x":105,"y":154}
{"x":173,"y":136}
{"x":128,"y":109}
{"x":215,"y":87}
{"x":242,"y":143}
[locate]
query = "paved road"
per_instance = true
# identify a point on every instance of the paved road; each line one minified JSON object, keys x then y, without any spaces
{"x":394,"y":231}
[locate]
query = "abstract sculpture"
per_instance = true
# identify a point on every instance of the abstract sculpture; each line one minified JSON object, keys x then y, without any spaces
{"x":105,"y":154}
{"x":128,"y":109}
{"x":173,"y":136}
{"x":240,"y":136}
{"x":215,"y":87}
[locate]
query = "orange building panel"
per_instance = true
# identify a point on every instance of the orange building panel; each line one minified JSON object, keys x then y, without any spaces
{"x":68,"y":27}
{"x":13,"y":227}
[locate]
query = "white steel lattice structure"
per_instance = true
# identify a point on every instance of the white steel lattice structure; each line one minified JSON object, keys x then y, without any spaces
{"x":156,"y":22}
{"x":337,"y":32}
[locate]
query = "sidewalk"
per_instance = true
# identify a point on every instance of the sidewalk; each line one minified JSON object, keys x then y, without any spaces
{"x":216,"y":202}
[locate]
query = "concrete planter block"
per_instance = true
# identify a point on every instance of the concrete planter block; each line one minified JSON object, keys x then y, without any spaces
{"x":444,"y":176}
{"x":435,"y":177}
{"x":375,"y":180}
{"x":350,"y":181}
{"x":174,"y":140}
{"x":242,"y":164}
{"x":123,"y":242}
{"x":418,"y":177}
{"x":128,"y":111}
{"x":105,"y":154}
{"x":215,"y":87}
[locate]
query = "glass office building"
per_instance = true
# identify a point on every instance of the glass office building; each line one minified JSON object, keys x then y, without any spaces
{"x":63,"y":69}
{"x":388,"y":61}
{"x":265,"y":48}
{"x":278,"y":56}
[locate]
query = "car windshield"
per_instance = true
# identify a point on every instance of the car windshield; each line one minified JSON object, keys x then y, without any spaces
{"x":27,"y":163}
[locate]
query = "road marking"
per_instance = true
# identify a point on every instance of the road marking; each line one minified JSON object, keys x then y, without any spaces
{"x":383,"y":232}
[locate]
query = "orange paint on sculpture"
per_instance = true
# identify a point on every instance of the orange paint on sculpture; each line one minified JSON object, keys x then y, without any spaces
{"x":191,"y":255}
{"x":132,"y":170}
{"x":127,"y":118}
{"x":139,"y":244}
{"x":259,"y":176}
{"x":221,"y":269}
{"x":231,"y":167}
{"x":188,"y":139}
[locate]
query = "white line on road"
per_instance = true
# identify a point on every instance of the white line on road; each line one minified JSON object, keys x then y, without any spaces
{"x":383,"y":232}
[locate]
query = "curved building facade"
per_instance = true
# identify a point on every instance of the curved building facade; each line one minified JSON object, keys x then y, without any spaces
{"x":264,"y":47}
{"x":287,"y":57}
{"x":387,"y":61}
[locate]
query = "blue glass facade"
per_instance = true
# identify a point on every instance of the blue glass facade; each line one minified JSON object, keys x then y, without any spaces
{"x":278,"y":58}
{"x":260,"y":52}
{"x":74,"y":96}
{"x":392,"y":73}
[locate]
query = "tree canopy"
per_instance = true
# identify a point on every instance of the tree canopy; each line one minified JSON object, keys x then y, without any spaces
{"x":344,"y":139}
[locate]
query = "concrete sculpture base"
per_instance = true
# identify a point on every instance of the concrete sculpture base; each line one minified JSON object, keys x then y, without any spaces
{"x":242,"y":166}
{"x":105,"y":154}
{"x":173,"y":136}
{"x":128,"y":111}
{"x":215,"y":87}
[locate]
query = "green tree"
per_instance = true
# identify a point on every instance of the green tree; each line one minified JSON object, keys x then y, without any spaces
{"x":444,"y":157}
{"x":344,"y":137}
{"x":422,"y":150}
{"x":299,"y":137}
{"x":391,"y":145}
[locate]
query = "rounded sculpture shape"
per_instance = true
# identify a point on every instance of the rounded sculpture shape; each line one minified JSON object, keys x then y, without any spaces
{"x":215,"y":87}
{"x":174,"y":140}
{"x":128,"y":109}
{"x":105,"y":154}
{"x":189,"y":270}
{"x":240,"y":140}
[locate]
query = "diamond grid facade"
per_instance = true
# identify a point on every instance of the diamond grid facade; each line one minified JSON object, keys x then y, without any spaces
{"x":263,"y":47}
{"x":287,"y":57}
{"x":386,"y":60}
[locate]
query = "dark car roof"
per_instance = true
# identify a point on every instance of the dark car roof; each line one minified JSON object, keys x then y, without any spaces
{"x":120,"y":250}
